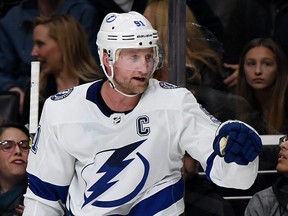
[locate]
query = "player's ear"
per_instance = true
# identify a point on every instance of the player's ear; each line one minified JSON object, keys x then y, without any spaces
{"x":105,"y":60}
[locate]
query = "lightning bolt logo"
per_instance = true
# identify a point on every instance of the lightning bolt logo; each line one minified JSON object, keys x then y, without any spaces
{"x":112,"y":167}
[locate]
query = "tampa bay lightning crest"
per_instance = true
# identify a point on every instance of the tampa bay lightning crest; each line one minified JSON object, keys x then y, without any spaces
{"x":111,"y":18}
{"x":107,"y":176}
{"x":62,"y":94}
{"x":167,"y":85}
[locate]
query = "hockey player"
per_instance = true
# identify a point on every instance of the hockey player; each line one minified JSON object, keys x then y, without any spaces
{"x":115,"y":146}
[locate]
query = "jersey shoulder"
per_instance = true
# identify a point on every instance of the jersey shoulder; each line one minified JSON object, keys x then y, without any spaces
{"x":69,"y":95}
{"x":168,"y":89}
{"x":71,"y":99}
{"x":167,"y":94}
{"x":154,"y":83}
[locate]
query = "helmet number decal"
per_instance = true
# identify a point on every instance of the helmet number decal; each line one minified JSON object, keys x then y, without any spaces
{"x":139,"y":23}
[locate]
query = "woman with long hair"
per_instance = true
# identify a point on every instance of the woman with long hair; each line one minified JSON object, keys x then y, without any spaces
{"x":203,"y":62}
{"x":262,"y":81}
{"x":61,"y":45}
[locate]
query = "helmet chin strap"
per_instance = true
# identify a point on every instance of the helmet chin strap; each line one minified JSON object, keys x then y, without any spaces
{"x":112,"y":85}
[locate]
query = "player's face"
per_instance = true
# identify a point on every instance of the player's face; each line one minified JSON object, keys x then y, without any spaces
{"x":260,"y":68}
{"x":46,"y":50}
{"x":133,"y":69}
{"x":13,"y":164}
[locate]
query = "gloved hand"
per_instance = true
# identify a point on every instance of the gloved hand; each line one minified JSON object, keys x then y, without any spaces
{"x":237,"y":142}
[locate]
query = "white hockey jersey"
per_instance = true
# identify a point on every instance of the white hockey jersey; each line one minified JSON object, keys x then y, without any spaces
{"x":93,"y":163}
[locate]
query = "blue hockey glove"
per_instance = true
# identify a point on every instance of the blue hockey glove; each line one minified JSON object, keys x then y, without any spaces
{"x":237,"y":142}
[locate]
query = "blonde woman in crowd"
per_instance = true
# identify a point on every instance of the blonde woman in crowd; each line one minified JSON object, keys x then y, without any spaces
{"x":61,"y":45}
{"x":203,"y":64}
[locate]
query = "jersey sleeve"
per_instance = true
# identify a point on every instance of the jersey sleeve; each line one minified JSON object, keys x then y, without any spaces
{"x":199,"y":130}
{"x":48,"y":188}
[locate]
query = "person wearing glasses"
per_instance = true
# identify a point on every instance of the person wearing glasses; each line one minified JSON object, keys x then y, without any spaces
{"x":273,"y":200}
{"x":14,"y":149}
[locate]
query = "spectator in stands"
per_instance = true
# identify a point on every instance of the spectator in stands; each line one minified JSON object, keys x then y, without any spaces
{"x":203,"y":64}
{"x":252,"y":19}
{"x":61,"y":46}
{"x":16,"y":37}
{"x":214,"y":15}
{"x":263,"y":83}
{"x":273,"y":200}
{"x":14,"y":148}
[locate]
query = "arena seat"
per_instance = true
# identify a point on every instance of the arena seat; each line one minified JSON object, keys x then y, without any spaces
{"x":9,"y":106}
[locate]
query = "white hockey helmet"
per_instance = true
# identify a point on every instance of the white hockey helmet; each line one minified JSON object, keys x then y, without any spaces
{"x":126,"y":30}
